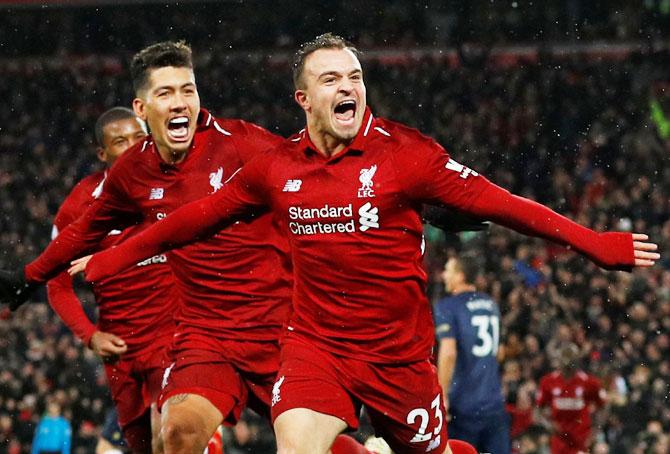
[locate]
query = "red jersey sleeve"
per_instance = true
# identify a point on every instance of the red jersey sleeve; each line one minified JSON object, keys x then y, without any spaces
{"x":199,"y":219}
{"x":543,"y":396}
{"x":596,"y":394}
{"x":111,"y":210}
{"x":429,"y":175}
{"x":63,"y":300}
{"x":60,"y":291}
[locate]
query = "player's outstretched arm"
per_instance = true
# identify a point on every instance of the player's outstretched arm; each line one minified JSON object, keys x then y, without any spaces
{"x":14,"y":289}
{"x":192,"y":222}
{"x":80,"y":237}
{"x":16,"y":286}
{"x":187,"y":224}
{"x":609,"y":250}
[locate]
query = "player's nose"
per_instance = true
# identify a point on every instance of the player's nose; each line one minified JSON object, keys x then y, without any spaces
{"x":178,"y":102}
{"x":346,"y":86}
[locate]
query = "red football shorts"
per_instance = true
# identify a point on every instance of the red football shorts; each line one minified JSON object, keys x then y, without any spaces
{"x":404,"y":402}
{"x":135,"y":383}
{"x":230,"y":374}
{"x":461,"y":447}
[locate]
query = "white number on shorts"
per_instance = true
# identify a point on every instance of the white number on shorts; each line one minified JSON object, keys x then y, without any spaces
{"x":422,"y":414}
{"x":489,"y":340}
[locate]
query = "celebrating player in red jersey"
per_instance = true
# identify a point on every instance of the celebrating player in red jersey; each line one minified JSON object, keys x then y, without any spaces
{"x":571,"y":394}
{"x":234,"y":288}
{"x":135,"y":306}
{"x":349,"y":189}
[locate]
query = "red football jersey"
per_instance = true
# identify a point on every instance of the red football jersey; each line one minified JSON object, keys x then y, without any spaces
{"x":571,"y":401}
{"x":136,"y":304}
{"x":235,"y":283}
{"x":355,"y":231}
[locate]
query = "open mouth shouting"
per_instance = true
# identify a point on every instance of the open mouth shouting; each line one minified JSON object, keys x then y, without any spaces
{"x":177,"y":128}
{"x":345,"y":112}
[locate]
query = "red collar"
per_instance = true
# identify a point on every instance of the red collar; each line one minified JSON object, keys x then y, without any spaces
{"x":204,"y":120}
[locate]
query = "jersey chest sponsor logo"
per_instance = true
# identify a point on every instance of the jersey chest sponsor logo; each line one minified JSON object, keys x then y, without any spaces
{"x":369,"y":217}
{"x":329,"y":219}
{"x":569,"y":403}
{"x":162,"y":258}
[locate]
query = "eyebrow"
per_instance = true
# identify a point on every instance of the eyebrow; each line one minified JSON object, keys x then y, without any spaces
{"x":169,"y":87}
{"x":337,"y":73}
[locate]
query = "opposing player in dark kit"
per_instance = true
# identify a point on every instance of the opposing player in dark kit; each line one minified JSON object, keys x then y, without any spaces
{"x":467,"y":326}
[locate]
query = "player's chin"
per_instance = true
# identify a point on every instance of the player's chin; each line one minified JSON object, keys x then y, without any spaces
{"x":180,"y":145}
{"x":345,"y":132}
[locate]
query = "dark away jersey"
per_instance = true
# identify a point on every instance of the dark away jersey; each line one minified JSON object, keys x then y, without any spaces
{"x":473,"y":320}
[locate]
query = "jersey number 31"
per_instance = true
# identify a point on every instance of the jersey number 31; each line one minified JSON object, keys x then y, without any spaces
{"x":487,"y":338}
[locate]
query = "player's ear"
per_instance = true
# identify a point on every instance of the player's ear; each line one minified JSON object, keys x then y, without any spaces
{"x":139,"y":108}
{"x":100,"y":153}
{"x":302,"y":99}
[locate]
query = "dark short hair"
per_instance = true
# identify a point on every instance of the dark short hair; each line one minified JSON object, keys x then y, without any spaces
{"x":469,"y":266}
{"x":159,"y":55}
{"x":325,"y":41}
{"x":110,"y":116}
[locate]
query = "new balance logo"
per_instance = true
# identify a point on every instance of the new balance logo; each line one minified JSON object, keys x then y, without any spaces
{"x":292,"y":186}
{"x":369,"y":217}
{"x":156,"y":194}
{"x":460,"y":168}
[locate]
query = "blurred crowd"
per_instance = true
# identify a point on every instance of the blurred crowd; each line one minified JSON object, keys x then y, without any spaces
{"x":573,"y":132}
{"x":108,"y":27}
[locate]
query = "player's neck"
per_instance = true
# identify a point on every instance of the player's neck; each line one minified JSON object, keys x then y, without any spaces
{"x":463,"y":288}
{"x":569,"y":373}
{"x":325,"y":143}
{"x":171,"y":156}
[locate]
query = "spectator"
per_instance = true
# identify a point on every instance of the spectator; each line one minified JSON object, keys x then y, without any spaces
{"x":53,"y":434}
